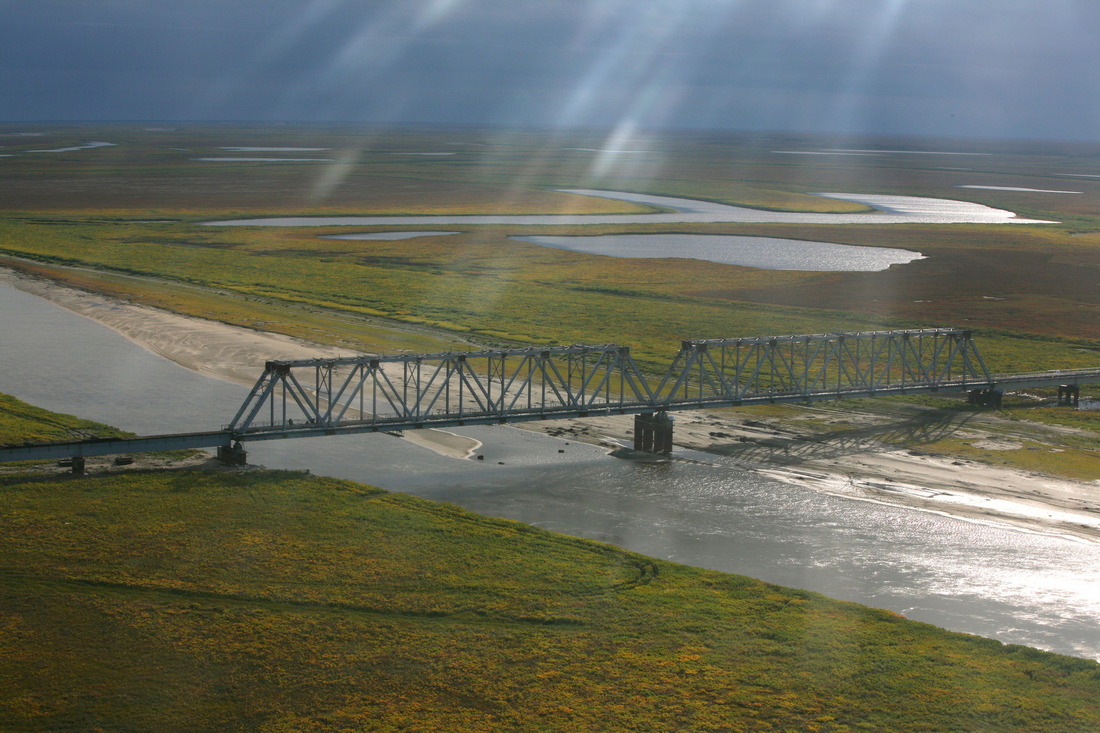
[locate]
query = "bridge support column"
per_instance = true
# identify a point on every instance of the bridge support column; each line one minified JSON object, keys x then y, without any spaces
{"x":653,"y":433}
{"x":234,"y":455}
{"x":1069,"y":395}
{"x":985,"y":397}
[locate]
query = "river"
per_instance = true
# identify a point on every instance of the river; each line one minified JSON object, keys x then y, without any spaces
{"x":1018,"y":587}
{"x":886,"y":210}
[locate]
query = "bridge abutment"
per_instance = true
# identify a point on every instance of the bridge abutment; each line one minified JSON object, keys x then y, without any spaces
{"x":1069,"y":395}
{"x":653,"y":433}
{"x":985,"y":397}
{"x":233,"y":455}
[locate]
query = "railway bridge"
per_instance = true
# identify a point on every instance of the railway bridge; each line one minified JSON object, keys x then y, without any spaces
{"x":315,"y":397}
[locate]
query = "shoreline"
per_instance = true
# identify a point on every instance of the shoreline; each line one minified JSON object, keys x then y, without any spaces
{"x":903,"y":477}
{"x":864,"y":471}
{"x":213,"y":349}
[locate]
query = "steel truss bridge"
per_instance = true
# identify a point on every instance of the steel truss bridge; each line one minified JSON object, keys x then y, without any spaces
{"x":313,"y":397}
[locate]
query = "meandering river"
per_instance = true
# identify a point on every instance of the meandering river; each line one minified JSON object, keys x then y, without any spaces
{"x":1031,"y":589}
{"x":887,"y":210}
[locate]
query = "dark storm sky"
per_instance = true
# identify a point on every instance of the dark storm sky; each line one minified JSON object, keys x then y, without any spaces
{"x":989,"y":68}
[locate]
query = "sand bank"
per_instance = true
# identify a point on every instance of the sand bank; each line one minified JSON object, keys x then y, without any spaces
{"x":873,"y":469}
{"x":211,"y":348}
{"x":863,"y":464}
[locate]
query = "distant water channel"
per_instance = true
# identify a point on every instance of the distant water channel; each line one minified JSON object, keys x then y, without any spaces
{"x":1014,"y":586}
{"x":887,"y":210}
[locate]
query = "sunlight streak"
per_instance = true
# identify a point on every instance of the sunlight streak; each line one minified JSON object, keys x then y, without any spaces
{"x":332,"y":176}
{"x":434,"y":12}
{"x":236,"y":81}
{"x":849,"y":109}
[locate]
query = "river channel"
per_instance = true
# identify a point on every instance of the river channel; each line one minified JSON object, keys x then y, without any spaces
{"x":1018,"y":587}
{"x":885,"y":210}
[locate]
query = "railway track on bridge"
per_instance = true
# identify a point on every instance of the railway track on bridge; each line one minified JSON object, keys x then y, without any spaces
{"x":318,"y":397}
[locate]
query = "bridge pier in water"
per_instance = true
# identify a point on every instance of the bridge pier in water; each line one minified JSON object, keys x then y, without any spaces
{"x":331,"y":396}
{"x":1069,"y":395}
{"x":985,"y":397}
{"x":653,"y":433}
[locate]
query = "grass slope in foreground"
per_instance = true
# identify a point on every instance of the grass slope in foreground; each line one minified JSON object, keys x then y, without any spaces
{"x":188,"y":600}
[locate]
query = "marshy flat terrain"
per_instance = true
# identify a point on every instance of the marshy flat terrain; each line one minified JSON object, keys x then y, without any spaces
{"x":196,"y":600}
{"x":193,"y":599}
{"x":132,"y":208}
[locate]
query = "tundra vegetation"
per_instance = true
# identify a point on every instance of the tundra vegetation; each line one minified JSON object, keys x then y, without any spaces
{"x":207,"y":600}
{"x":124,"y":221}
{"x":194,"y":600}
{"x":1030,"y":292}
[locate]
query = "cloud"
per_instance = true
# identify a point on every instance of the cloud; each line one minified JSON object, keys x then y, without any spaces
{"x":918,"y":66}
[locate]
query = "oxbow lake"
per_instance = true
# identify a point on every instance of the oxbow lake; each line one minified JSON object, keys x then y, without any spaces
{"x":761,"y":252}
{"x":766,"y":253}
{"x":986,"y":579}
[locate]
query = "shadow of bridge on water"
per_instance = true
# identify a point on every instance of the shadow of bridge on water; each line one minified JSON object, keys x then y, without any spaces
{"x":922,"y":429}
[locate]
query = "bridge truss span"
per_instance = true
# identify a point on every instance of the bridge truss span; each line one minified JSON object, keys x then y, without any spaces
{"x":409,"y":391}
{"x":821,"y":366}
{"x":311,"y":397}
{"x":452,"y":388}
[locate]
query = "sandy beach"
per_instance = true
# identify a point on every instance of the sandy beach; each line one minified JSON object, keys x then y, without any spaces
{"x":210,"y":348}
{"x":864,"y":464}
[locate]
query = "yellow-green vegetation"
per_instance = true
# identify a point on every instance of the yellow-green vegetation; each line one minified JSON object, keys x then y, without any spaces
{"x":1070,"y":463}
{"x":1029,"y":291}
{"x":24,"y":423}
{"x":1024,"y":435}
{"x":274,"y":601}
{"x":190,"y":601}
{"x":469,"y":285}
{"x":315,"y":324}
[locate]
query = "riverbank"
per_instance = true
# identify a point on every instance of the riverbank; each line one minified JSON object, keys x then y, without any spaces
{"x":864,"y":463}
{"x":861,"y":464}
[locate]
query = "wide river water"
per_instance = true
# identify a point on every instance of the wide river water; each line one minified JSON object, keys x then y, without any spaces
{"x":998,"y":582}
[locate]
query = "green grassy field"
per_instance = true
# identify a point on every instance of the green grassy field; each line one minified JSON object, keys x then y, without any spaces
{"x":23,"y":423}
{"x":190,"y":600}
{"x":212,"y":600}
{"x":1030,"y":292}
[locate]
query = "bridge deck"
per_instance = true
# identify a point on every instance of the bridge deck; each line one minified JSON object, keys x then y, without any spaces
{"x":115,"y":446}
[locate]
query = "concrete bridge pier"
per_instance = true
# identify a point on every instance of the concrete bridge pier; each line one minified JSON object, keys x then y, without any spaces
{"x":985,"y":397}
{"x":233,"y":455}
{"x":1069,"y":395}
{"x":653,"y":433}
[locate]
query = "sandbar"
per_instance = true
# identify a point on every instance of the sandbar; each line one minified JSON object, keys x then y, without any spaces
{"x":211,"y":348}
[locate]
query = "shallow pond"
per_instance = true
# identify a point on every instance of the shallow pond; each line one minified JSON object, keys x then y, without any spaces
{"x":764,"y":252}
